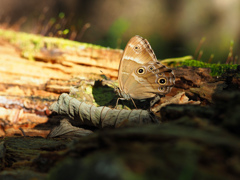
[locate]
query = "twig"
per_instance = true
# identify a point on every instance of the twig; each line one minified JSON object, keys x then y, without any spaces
{"x":199,"y":46}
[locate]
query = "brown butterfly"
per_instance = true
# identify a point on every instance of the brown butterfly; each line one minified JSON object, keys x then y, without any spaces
{"x":140,"y":74}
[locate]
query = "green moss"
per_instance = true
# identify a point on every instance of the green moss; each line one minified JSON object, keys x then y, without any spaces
{"x":103,"y":95}
{"x":31,"y":43}
{"x":173,"y":62}
{"x":216,"y":69}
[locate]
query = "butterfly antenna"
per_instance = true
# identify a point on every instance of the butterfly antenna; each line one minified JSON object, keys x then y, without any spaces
{"x":108,"y":81}
{"x":103,"y":75}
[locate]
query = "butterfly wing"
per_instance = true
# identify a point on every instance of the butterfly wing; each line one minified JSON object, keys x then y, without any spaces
{"x":148,"y":80}
{"x":137,"y":52}
{"x":140,"y":75}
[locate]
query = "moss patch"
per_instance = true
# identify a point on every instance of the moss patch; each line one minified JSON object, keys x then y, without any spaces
{"x":29,"y":44}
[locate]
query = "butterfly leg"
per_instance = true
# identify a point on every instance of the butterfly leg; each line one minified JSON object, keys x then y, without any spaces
{"x":124,"y":99}
{"x":117,"y":102}
{"x":134,"y":103}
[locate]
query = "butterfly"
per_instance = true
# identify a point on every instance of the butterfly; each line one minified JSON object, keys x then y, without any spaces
{"x":140,"y":74}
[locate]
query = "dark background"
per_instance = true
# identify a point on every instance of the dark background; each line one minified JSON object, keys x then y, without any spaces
{"x":174,"y":28}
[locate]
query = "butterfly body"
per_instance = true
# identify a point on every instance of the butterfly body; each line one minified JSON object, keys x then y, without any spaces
{"x":140,"y":74}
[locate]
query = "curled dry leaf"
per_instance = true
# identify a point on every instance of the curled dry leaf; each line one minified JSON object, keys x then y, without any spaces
{"x":180,"y":98}
{"x":65,"y":129}
{"x":100,"y":117}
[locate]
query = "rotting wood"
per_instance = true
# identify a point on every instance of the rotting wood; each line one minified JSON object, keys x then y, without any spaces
{"x":206,"y":90}
{"x":85,"y":63}
{"x":187,"y":77}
